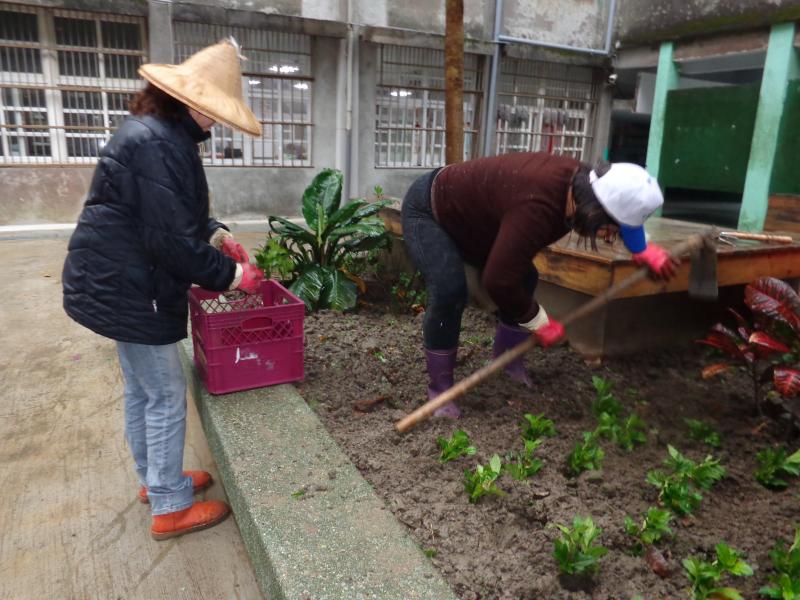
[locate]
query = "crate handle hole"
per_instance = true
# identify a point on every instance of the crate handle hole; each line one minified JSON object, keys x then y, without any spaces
{"x":257,"y":324}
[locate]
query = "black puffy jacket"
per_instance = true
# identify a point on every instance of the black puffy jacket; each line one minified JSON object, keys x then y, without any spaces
{"x":142,"y":237}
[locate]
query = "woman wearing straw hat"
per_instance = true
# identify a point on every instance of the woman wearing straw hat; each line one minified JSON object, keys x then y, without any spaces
{"x":143,"y":237}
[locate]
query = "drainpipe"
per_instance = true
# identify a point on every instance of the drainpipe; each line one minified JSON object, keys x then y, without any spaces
{"x":491,"y":106}
{"x":348,"y":158}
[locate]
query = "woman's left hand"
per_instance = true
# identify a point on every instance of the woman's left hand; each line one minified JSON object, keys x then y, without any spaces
{"x":658,"y":260}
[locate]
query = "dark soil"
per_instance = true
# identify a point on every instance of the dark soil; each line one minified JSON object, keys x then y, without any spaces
{"x":502,"y":547}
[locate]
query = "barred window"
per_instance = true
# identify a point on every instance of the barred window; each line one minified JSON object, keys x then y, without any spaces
{"x":65,"y":80}
{"x":277,"y":84}
{"x":410,"y":118}
{"x":546,"y":107}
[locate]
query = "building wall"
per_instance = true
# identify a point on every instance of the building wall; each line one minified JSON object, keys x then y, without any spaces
{"x":34,"y":195}
{"x":581,"y":24}
{"x":255,"y":192}
{"x":643,"y":21}
{"x":55,"y":194}
{"x":394,"y":182}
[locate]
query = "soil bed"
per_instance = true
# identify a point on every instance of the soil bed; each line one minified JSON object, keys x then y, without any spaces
{"x":502,"y":547}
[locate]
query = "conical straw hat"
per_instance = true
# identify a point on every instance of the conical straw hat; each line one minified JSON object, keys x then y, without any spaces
{"x":209,"y":81}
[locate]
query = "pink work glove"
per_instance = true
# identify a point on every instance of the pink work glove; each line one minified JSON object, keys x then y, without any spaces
{"x":658,"y":260}
{"x":230,"y":247}
{"x":252,"y":277}
{"x":550,"y":334}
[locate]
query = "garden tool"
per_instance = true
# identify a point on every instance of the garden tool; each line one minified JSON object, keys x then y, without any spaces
{"x":689,"y":246}
{"x":703,"y":270}
{"x":730,"y":237}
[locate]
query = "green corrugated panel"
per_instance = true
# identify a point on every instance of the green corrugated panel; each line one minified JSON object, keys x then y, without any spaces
{"x":707,"y":136}
{"x":785,"y":172}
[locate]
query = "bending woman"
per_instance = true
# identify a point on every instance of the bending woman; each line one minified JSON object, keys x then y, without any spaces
{"x":496,"y":214}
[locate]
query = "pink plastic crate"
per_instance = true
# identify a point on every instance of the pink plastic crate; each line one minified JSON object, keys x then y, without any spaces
{"x":247,"y":343}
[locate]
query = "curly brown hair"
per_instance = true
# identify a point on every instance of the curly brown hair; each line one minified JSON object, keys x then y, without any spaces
{"x":153,"y":101}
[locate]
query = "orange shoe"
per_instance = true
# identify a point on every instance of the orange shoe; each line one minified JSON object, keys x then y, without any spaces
{"x":201,"y":480}
{"x":200,"y":515}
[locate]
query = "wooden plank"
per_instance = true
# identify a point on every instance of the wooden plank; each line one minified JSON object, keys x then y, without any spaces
{"x":573,"y":272}
{"x":732,"y":269}
{"x":783,"y":214}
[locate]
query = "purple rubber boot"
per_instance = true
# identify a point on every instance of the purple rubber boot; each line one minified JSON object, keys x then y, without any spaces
{"x":440,"y":370}
{"x":505,"y":338}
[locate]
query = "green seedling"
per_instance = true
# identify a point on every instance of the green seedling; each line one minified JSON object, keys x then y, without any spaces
{"x":524,"y":465}
{"x":585,"y":455}
{"x":299,"y":493}
{"x":379,"y":355}
{"x":410,"y":291}
{"x":678,"y":491}
{"x":481,"y":481}
{"x":627,"y":434}
{"x":774,"y":465}
{"x":575,"y":551}
{"x":702,"y":432}
{"x":478,"y":340}
{"x":705,"y":576}
{"x":785,"y":582}
{"x":430,"y":552}
{"x":782,"y":587}
{"x":536,"y":427}
{"x":675,"y":493}
{"x":654,"y":527}
{"x":457,"y":445}
{"x":704,"y":474}
{"x":604,"y":401}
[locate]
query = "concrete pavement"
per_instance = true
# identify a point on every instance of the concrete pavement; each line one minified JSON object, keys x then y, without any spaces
{"x":70,"y":526}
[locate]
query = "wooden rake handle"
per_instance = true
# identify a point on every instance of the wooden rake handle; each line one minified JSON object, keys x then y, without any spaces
{"x":426,"y":410}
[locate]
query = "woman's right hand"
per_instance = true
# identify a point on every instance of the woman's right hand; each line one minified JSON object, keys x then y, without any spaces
{"x":252,"y":277}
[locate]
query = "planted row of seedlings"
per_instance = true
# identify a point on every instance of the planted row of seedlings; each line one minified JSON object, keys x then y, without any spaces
{"x":680,"y":493}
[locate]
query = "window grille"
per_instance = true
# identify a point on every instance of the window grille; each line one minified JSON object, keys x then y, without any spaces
{"x":277,"y":85}
{"x":65,"y":80}
{"x":545,"y":107}
{"x":410,"y":119}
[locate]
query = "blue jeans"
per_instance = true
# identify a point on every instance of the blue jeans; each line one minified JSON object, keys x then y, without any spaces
{"x":155,"y":422}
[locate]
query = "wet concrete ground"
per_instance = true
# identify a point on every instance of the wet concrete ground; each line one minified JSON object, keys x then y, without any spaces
{"x":70,"y":525}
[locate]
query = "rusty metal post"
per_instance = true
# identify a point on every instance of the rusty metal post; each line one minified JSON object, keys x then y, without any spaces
{"x":454,"y":81}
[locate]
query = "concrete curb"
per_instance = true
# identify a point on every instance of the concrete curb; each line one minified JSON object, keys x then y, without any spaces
{"x":314,"y":528}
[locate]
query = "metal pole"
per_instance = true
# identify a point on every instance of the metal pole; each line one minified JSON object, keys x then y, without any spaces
{"x":490,"y":123}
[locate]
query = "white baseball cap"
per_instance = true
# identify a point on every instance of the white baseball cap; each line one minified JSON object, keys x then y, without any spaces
{"x":627,"y":192}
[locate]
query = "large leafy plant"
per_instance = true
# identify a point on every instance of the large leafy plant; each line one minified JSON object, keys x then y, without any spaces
{"x":332,"y":235}
{"x":767,"y":347}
